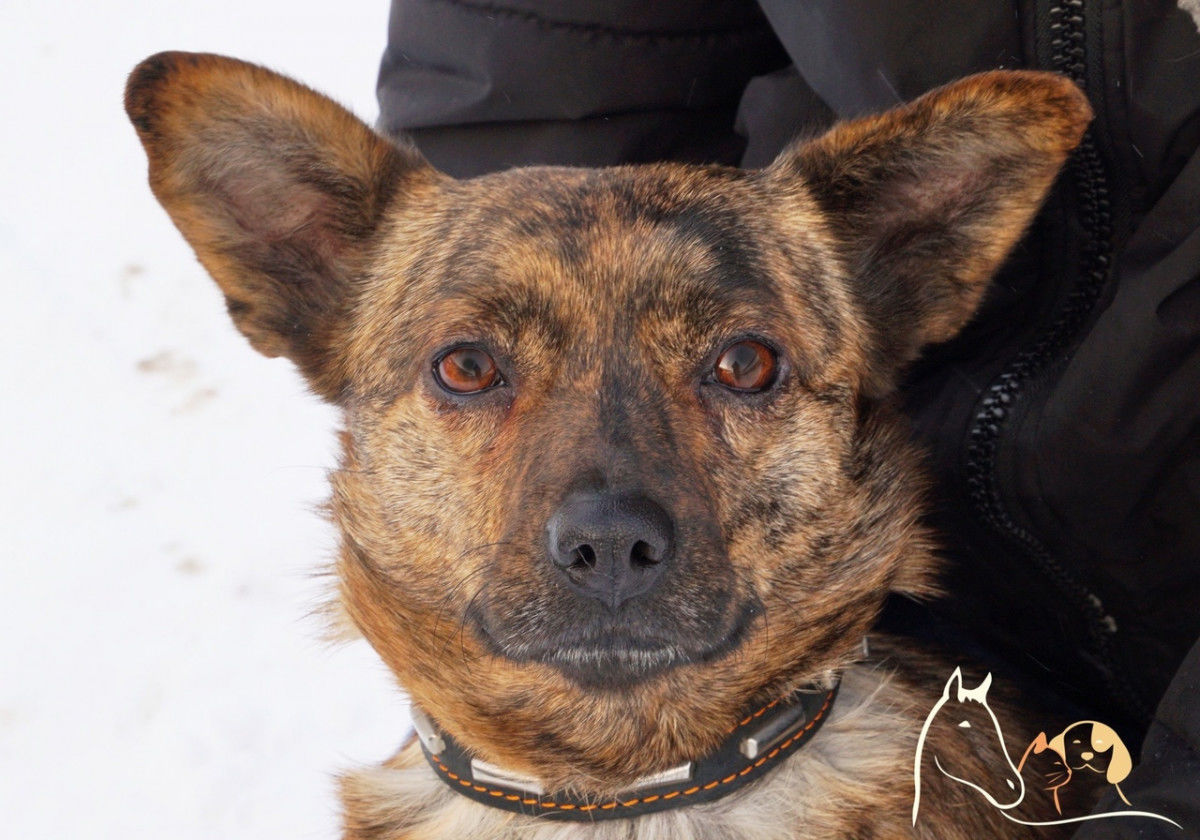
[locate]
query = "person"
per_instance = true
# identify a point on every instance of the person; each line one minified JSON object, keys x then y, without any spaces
{"x":1063,"y":426}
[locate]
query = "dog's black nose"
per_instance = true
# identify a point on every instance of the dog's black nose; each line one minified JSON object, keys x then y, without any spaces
{"x":611,"y":546}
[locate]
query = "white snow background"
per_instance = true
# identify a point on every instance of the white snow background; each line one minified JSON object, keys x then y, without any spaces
{"x":160,"y":674}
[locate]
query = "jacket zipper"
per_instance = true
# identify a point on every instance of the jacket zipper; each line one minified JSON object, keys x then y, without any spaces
{"x":1067,"y":56}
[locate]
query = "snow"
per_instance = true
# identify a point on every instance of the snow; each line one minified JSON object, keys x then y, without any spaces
{"x":161,"y":674}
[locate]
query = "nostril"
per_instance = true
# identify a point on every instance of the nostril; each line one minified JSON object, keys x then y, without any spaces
{"x":610,"y":547}
{"x":643,"y":554}
{"x":583,"y":557}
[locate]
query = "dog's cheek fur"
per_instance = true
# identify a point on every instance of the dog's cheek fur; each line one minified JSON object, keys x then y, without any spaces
{"x":825,"y":522}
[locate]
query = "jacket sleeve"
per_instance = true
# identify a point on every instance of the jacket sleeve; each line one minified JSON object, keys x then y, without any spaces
{"x":1167,"y":779}
{"x":482,"y":85}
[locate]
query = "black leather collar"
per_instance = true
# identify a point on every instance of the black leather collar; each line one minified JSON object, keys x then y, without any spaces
{"x":756,"y":745}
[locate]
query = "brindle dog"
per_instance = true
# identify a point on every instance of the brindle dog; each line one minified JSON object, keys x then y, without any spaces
{"x":619,"y":456}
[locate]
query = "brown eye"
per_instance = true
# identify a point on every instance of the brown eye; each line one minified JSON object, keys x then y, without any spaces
{"x":466,"y":370}
{"x":746,"y":366}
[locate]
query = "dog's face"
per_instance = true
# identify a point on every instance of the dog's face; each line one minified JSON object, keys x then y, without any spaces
{"x":1089,"y":745}
{"x":617,"y":460}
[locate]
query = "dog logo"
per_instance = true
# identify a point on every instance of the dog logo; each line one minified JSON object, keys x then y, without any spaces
{"x":1086,"y":746}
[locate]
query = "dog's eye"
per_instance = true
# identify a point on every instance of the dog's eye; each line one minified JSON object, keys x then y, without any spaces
{"x":466,"y":370}
{"x":746,"y":366}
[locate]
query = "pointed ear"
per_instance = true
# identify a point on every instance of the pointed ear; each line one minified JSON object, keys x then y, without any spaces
{"x":981,"y":690}
{"x":954,"y":687}
{"x":926,"y":200}
{"x":278,"y":189}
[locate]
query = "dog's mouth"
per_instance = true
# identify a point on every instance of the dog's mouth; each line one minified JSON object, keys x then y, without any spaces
{"x":612,"y":654}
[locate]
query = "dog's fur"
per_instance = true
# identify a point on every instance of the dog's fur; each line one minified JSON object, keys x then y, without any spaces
{"x":604,"y":296}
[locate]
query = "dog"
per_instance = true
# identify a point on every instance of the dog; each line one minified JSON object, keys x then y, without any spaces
{"x":623,"y":487}
{"x":1086,"y":745}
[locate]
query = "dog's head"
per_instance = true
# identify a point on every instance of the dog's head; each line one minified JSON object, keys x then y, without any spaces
{"x":618,"y":460}
{"x":1091,"y":745}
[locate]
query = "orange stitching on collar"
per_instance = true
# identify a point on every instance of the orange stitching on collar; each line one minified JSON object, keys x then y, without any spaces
{"x":757,"y":714}
{"x":566,"y":806}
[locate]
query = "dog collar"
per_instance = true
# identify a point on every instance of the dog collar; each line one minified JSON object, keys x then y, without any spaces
{"x":757,"y":744}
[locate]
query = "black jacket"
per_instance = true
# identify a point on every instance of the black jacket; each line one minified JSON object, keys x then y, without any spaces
{"x":1064,"y":424}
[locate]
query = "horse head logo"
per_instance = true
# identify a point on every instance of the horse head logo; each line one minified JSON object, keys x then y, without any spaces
{"x":962,"y":714}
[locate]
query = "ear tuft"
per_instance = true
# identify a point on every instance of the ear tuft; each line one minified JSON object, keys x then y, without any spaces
{"x":927,"y":200}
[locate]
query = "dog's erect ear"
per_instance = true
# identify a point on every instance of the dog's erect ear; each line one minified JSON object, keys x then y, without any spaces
{"x":279,"y":191}
{"x":927,"y":200}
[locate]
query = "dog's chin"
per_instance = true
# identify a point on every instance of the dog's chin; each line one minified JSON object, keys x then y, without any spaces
{"x":612,"y":664}
{"x":620,"y":659}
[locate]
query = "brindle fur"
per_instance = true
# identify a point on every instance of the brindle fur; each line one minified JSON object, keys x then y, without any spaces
{"x":604,"y":295}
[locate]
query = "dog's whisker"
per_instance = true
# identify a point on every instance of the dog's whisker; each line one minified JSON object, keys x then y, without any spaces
{"x":460,"y":635}
{"x":332,"y":471}
{"x":442,"y":606}
{"x":442,"y":610}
